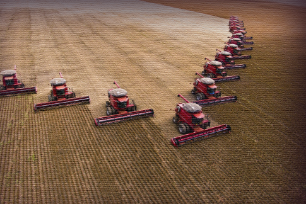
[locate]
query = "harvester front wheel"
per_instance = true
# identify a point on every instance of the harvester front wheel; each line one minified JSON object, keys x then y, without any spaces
{"x":200,"y":96}
{"x":109,"y":111}
{"x":193,"y":91}
{"x":204,"y":126}
{"x":135,"y":107}
{"x":52,"y":98}
{"x":210,"y":75}
{"x":183,"y":128}
{"x":175,"y":119}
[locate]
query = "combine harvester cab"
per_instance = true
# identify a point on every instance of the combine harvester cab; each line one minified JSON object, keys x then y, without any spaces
{"x":207,"y":94}
{"x":193,"y":123}
{"x":215,"y":70}
{"x":119,"y":108}
{"x":235,"y":51}
{"x":227,"y":61}
{"x":11,"y":84}
{"x":60,"y":96}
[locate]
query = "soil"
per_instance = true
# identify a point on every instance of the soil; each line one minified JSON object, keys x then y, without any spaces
{"x":152,"y":49}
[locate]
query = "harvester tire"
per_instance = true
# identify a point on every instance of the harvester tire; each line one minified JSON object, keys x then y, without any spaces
{"x":107,"y":104}
{"x":204,"y":126}
{"x":193,"y":91}
{"x":109,"y":111}
{"x":175,"y":119}
{"x":51,"y":98}
{"x":134,"y":108}
{"x":183,"y":128}
{"x":210,"y":75}
{"x":200,"y":96}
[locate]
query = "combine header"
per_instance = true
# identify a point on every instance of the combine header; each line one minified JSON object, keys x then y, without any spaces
{"x":193,"y":123}
{"x":227,"y":61}
{"x":119,"y":108}
{"x":215,"y":70}
{"x":60,"y":96}
{"x":207,"y":94}
{"x":11,"y":85}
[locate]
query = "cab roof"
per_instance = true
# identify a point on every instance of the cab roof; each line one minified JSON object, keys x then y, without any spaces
{"x":57,"y":81}
{"x":233,"y":45}
{"x":215,"y":63}
{"x":8,"y":72}
{"x":225,"y":53}
{"x":192,"y":107}
{"x":119,"y":92}
{"x":208,"y":81}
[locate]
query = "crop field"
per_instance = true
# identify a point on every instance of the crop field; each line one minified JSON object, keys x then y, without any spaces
{"x":152,"y":49}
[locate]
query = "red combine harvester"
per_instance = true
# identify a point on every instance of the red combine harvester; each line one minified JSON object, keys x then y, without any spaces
{"x":243,"y":32}
{"x":235,"y":52}
{"x":119,"y":108}
{"x":227,"y":61}
{"x":11,"y":85}
{"x":207,"y":94}
{"x":235,"y":26}
{"x":238,"y":41}
{"x":60,"y":95}
{"x":193,"y":123}
{"x":215,"y":70}
{"x":242,"y":37}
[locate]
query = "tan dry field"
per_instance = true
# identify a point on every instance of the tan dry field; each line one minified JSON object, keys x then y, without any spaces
{"x":152,"y":51}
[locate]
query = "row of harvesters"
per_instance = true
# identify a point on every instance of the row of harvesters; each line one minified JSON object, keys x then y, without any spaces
{"x":59,"y":95}
{"x":189,"y":117}
{"x":118,"y":108}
